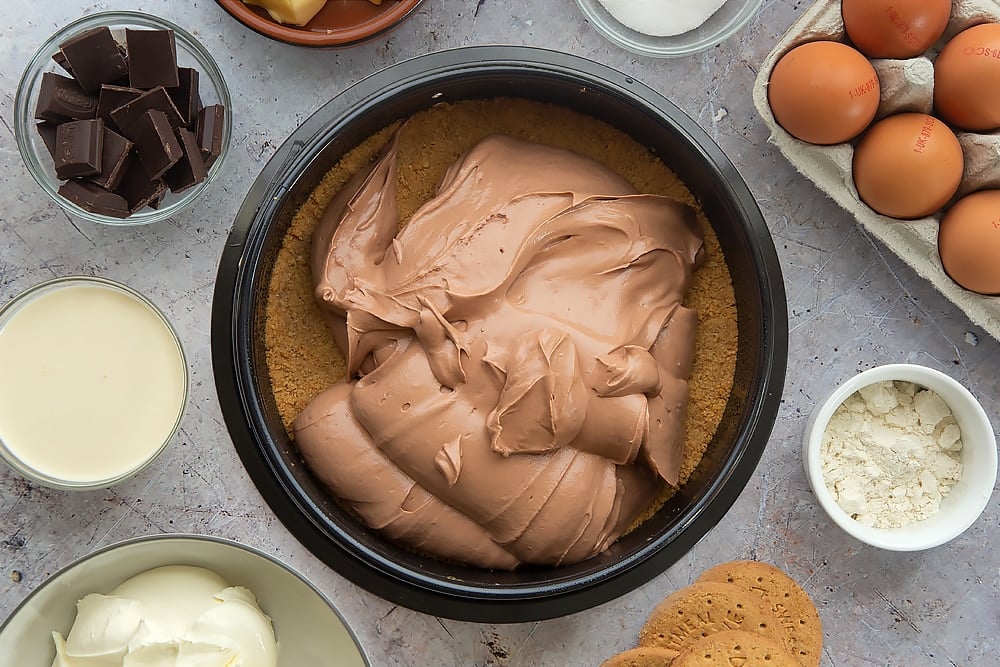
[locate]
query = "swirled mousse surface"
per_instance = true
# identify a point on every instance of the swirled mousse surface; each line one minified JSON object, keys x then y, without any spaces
{"x":517,"y":355}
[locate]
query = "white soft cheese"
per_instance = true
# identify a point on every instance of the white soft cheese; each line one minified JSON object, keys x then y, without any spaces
{"x":172,"y":616}
{"x":662,"y":18}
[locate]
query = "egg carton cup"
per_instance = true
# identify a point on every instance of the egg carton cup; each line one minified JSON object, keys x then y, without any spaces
{"x":906,"y":85}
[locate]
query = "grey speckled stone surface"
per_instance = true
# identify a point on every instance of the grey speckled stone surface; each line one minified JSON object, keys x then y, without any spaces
{"x":851,"y":306}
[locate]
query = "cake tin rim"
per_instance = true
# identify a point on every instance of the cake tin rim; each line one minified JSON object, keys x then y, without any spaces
{"x":528,"y":602}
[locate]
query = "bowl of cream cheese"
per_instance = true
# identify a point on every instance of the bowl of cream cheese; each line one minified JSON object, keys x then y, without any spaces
{"x":902,"y":457}
{"x":178,"y":600}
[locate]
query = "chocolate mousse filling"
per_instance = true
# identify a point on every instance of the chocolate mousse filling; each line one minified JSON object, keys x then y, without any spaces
{"x":516,"y":356}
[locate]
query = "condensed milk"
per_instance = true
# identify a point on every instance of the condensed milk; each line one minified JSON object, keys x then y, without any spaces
{"x":93,"y":382}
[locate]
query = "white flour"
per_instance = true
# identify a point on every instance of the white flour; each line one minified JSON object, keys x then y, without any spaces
{"x":891,"y":453}
{"x":662,"y":18}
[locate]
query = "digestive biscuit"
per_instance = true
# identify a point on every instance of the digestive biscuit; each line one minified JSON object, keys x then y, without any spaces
{"x":644,"y":656}
{"x":735,"y":648}
{"x":797,"y":616}
{"x":705,"y":608}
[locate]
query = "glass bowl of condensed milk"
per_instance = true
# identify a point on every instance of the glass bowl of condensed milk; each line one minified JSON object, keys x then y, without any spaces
{"x":93,"y":383}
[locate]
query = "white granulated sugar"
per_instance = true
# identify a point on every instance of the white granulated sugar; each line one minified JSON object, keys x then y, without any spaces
{"x":662,"y":18}
{"x":891,"y":453}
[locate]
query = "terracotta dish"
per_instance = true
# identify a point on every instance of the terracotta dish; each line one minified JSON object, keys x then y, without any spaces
{"x":339,"y":23}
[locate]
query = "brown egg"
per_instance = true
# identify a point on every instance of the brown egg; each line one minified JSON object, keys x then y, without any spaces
{"x":969,"y":242}
{"x":823,"y":92}
{"x":894,"y":29}
{"x":967,"y":79}
{"x":908,"y":165}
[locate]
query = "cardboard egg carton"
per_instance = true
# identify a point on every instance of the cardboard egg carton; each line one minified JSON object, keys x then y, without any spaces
{"x":906,"y":85}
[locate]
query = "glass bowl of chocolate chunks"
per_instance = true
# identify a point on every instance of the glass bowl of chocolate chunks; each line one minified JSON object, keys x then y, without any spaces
{"x":122,"y":118}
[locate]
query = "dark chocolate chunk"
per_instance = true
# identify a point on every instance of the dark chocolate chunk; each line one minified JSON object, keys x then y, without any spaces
{"x":47,"y":131}
{"x":95,"y":199}
{"x":152,"y":58}
{"x":186,"y":96}
{"x":208,"y":130}
{"x":61,"y":99}
{"x":130,"y":112}
{"x":112,"y":97}
{"x":130,"y":125}
{"x":122,"y":82}
{"x":95,"y":58}
{"x":155,"y":142}
{"x":190,"y":170}
{"x":79,"y":148}
{"x":138,"y":189}
{"x":116,"y":152}
{"x":60,"y":59}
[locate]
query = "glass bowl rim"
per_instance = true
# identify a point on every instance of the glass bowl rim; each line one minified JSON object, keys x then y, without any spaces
{"x":673,"y":46}
{"x":25,"y":297}
{"x":27,"y":90}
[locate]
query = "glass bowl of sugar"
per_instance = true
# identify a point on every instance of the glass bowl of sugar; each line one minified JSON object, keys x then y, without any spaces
{"x":668,"y":28}
{"x":902,"y":457}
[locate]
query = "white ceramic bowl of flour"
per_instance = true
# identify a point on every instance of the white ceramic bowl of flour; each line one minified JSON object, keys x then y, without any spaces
{"x":965,"y":500}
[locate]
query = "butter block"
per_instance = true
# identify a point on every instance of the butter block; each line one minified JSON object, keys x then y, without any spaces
{"x":294,"y":12}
